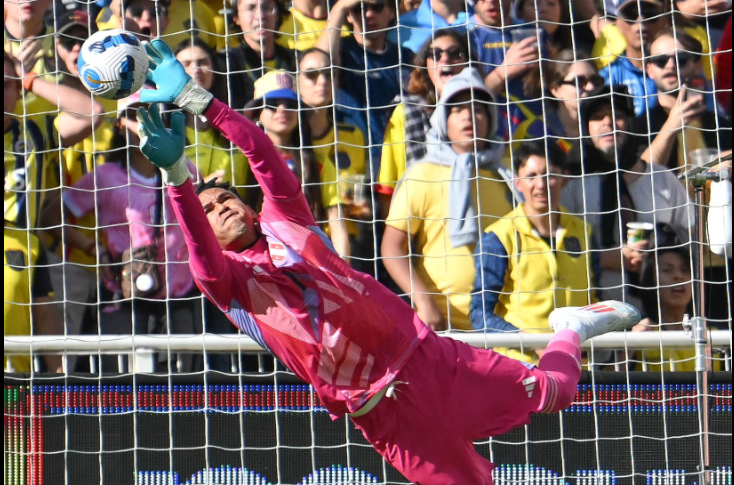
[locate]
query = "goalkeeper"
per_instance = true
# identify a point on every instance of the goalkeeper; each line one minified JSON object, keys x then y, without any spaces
{"x":419,"y":399}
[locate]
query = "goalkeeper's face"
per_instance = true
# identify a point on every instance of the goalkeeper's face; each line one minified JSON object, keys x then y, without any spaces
{"x":234,"y":223}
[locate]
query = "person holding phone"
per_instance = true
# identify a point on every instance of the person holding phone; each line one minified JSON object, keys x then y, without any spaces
{"x":681,"y":122}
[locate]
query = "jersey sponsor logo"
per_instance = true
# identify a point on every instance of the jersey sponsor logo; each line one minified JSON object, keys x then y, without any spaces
{"x":15,"y":259}
{"x":529,"y":384}
{"x":573,"y":246}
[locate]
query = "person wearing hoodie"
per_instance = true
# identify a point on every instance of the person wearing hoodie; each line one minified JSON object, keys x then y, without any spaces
{"x":613,"y":186}
{"x":537,"y":257}
{"x":444,"y":202}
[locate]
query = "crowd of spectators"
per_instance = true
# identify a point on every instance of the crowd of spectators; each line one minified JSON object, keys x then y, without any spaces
{"x":489,"y":160}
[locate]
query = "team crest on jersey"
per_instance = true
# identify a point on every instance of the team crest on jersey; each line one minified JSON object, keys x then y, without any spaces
{"x":15,"y":259}
{"x":573,"y":246}
{"x":278,"y":251}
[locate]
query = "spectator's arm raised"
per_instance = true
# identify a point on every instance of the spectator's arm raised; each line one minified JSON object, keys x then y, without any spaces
{"x":80,"y":114}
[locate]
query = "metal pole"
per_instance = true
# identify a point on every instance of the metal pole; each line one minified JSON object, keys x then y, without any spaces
{"x":703,"y":351}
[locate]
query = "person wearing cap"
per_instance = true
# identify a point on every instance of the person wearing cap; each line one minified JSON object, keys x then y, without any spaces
{"x":276,"y":107}
{"x":639,"y":22}
{"x":613,"y":186}
{"x":419,"y":399}
{"x":124,"y":196}
{"x":303,"y":24}
{"x":258,"y":53}
{"x":682,"y":121}
{"x":371,"y":72}
{"x":537,"y":257}
{"x":441,"y":205}
{"x":416,"y":27}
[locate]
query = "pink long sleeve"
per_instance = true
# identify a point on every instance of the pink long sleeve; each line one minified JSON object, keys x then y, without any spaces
{"x":205,"y":256}
{"x":269,"y":168}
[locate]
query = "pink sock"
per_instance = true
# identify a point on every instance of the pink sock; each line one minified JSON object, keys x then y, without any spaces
{"x":562,"y":363}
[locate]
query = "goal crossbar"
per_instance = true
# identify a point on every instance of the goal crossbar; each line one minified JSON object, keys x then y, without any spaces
{"x":92,"y":344}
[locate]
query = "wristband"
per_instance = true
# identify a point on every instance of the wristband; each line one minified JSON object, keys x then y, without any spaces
{"x":28,"y":81}
{"x":177,"y":174}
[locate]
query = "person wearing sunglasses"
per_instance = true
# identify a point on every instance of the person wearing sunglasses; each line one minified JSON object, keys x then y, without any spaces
{"x":683,"y":120}
{"x":570,"y":76}
{"x":439,"y":60}
{"x":72,"y":271}
{"x":371,"y":66}
{"x":639,"y":22}
{"x":339,"y":147}
{"x":258,"y":53}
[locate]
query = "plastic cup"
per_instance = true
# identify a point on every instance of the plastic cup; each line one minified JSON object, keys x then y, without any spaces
{"x":639,"y":231}
{"x":702,"y":156}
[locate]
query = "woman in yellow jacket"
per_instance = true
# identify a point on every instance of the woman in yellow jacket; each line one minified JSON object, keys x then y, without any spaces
{"x":207,"y":149}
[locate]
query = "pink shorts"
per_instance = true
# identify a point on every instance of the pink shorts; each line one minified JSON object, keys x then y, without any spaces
{"x":455,"y":394}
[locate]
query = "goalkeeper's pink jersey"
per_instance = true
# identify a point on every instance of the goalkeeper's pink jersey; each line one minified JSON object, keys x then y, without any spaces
{"x":336,"y":328}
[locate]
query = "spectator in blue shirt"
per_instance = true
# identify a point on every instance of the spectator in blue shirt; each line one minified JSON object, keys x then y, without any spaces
{"x":639,"y":22}
{"x":371,"y":75}
{"x":512,"y":69}
{"x":416,"y":26}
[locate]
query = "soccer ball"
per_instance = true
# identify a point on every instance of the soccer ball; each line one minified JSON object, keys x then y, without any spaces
{"x":113,"y":64}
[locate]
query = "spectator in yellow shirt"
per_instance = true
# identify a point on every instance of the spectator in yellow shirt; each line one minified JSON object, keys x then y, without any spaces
{"x":538,"y":257}
{"x":207,"y":149}
{"x":445,"y":201}
{"x":666,"y":274}
{"x":303,"y":24}
{"x":176,"y":20}
{"x":276,"y":109}
{"x":338,"y":145}
{"x":28,"y":40}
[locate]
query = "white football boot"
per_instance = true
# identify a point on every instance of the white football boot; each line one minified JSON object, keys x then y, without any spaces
{"x":594,"y":320}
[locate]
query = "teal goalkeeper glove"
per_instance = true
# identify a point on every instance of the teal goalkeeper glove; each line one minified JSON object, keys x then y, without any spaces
{"x":172,"y":83}
{"x":164,"y":147}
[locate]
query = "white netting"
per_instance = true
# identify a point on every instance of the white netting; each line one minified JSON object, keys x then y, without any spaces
{"x":196,"y":404}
